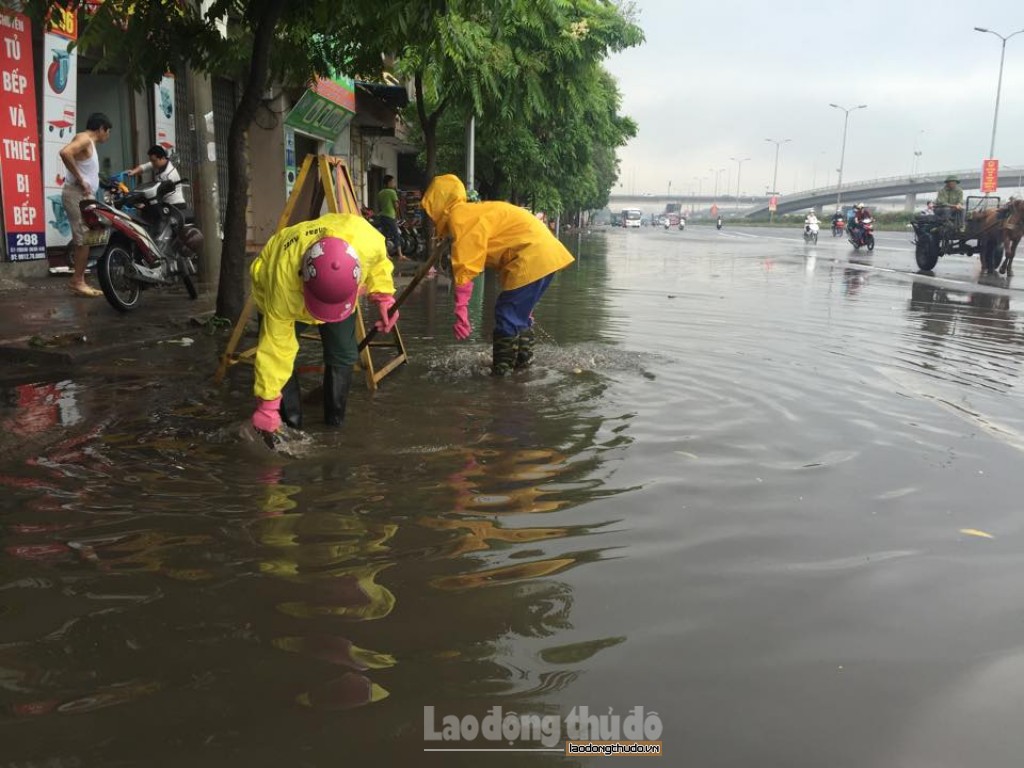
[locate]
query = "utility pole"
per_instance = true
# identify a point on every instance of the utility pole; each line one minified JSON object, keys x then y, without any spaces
{"x":999,"y":84}
{"x":739,"y":168}
{"x":775,"y":174}
{"x":842,"y":154}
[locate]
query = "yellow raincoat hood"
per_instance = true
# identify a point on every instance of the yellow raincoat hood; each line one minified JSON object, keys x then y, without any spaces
{"x":443,"y":194}
{"x":492,"y":235}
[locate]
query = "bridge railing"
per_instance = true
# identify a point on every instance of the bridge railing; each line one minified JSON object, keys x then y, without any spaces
{"x":872,"y":183}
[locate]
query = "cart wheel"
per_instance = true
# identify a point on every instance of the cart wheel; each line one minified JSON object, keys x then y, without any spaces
{"x":926,"y":253}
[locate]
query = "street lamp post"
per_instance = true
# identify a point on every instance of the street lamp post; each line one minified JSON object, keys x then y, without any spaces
{"x":842,"y":153}
{"x":775,"y":175}
{"x":739,"y":168}
{"x":718,"y":174}
{"x":917,"y":154}
{"x":999,"y":84}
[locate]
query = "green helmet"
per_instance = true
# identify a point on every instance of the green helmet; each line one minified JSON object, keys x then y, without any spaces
{"x":951,"y":178}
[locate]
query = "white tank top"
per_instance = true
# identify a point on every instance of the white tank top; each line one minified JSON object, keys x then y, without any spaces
{"x":90,"y":168}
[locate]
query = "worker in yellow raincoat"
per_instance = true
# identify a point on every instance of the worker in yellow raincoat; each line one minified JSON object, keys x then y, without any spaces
{"x":509,"y":239}
{"x":312,"y":273}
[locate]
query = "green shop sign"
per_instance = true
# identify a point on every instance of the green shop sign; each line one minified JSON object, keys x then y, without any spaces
{"x":325,"y":108}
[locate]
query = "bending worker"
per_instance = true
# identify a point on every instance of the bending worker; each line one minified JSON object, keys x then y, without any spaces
{"x":312,"y":273}
{"x":506,"y":238}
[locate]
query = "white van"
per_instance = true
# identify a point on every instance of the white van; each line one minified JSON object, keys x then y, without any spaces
{"x":631,"y":217}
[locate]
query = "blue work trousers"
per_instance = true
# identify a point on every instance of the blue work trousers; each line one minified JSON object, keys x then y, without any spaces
{"x":513,"y":308}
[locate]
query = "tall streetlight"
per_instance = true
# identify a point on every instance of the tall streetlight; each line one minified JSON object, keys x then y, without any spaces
{"x":842,"y":154}
{"x":917,"y":154}
{"x":999,"y":85}
{"x":775,"y":176}
{"x":739,"y":168}
{"x":718,"y":174}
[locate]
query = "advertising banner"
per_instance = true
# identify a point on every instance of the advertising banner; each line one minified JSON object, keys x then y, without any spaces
{"x":60,"y":106}
{"x":989,"y":176}
{"x":163,"y":98}
{"x":20,"y":179}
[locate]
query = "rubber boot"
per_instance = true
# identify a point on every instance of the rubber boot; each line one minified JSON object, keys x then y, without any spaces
{"x":524,"y":354}
{"x":503,"y":358}
{"x":291,"y":403}
{"x":337,"y":380}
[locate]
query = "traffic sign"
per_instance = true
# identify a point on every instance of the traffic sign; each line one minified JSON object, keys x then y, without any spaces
{"x":773,"y":203}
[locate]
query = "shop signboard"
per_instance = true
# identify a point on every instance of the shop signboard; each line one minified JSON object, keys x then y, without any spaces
{"x":21,"y":184}
{"x":60,"y":108}
{"x":163,"y":99}
{"x":325,"y":108}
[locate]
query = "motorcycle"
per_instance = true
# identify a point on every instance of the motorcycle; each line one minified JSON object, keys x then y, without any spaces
{"x":718,"y":224}
{"x":153,"y":245}
{"x":393,"y":246}
{"x":682,"y":225}
{"x":811,"y":232}
{"x":862,"y":234}
{"x":838,"y":227}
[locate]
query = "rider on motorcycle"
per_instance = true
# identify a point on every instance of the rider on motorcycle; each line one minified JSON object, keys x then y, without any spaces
{"x":838,"y":222}
{"x":861,"y":213}
{"x":811,"y":218}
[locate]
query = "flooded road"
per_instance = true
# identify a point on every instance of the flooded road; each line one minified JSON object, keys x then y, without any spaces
{"x":766,"y":491}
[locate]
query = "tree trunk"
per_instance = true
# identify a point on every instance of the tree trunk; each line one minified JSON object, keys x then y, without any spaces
{"x":231,"y":289}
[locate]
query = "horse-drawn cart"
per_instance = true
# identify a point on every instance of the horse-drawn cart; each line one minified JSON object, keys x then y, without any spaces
{"x":968,"y":232}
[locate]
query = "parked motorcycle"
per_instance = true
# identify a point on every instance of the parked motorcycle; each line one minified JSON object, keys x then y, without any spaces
{"x":862,"y":234}
{"x":155,"y":244}
{"x":811,"y":232}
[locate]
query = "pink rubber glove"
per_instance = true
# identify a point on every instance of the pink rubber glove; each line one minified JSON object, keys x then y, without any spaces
{"x":462,"y":327}
{"x":384,"y":302}
{"x":267,"y":416}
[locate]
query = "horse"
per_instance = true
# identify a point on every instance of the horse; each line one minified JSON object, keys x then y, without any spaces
{"x":1013,"y":231}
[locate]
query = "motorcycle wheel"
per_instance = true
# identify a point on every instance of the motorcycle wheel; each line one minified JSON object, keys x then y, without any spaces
{"x":114,"y":271}
{"x":815,"y":238}
{"x":187,"y":270}
{"x":926,"y":253}
{"x":869,"y":241}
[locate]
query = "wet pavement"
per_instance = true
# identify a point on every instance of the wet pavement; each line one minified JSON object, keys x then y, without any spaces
{"x":765,"y":490}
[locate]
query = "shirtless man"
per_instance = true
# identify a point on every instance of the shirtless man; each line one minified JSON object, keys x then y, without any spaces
{"x":83,"y":180}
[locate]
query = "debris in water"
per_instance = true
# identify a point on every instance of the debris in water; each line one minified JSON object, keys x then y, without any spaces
{"x":182,"y":342}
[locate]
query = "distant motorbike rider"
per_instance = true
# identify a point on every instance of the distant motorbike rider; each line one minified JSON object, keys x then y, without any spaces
{"x":312,"y":273}
{"x":838,"y":222}
{"x":860,"y":214}
{"x":811,"y":219}
{"x":506,"y":238}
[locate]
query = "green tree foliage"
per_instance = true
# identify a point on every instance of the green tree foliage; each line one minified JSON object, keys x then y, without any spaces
{"x":513,"y":63}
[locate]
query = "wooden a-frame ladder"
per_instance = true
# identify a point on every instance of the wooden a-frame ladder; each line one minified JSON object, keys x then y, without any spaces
{"x":323,"y":179}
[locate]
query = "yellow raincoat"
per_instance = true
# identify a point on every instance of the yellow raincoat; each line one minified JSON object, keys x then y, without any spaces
{"x":277,"y":288}
{"x":497,"y":235}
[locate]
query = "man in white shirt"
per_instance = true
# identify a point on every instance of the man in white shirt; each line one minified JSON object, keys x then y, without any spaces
{"x":163,"y":170}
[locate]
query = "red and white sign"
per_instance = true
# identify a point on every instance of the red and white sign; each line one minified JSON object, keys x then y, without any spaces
{"x":60,"y":107}
{"x":22,"y":186}
{"x":989,"y":176}
{"x":773,"y":203}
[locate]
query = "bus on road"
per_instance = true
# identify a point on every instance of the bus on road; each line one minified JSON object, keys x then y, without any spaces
{"x":631,"y":217}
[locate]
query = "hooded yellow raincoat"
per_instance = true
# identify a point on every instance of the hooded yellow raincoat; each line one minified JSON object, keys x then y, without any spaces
{"x":277,"y":288}
{"x":497,"y":235}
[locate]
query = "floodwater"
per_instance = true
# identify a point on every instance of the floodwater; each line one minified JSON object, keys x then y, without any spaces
{"x":768,"y":492}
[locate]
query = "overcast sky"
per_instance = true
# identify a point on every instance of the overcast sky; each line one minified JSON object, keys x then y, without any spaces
{"x":716,"y":78}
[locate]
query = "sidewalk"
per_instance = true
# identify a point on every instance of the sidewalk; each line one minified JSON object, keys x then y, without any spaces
{"x":43,"y":325}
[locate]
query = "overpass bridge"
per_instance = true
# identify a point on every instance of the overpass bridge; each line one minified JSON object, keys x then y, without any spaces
{"x":893,"y":186}
{"x":1010,"y":177}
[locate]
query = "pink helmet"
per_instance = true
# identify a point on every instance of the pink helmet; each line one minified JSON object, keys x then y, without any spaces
{"x":330,"y":279}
